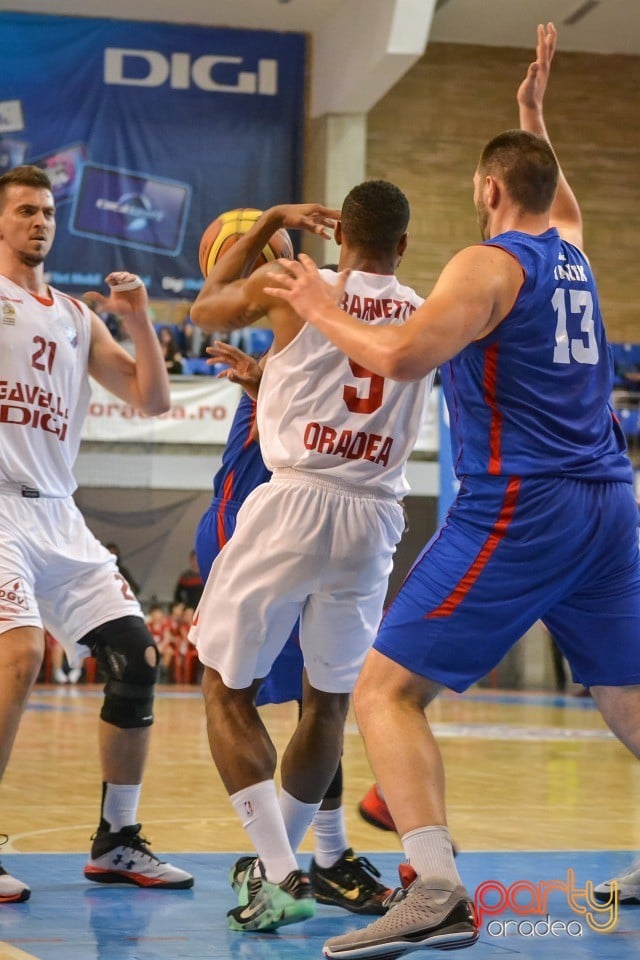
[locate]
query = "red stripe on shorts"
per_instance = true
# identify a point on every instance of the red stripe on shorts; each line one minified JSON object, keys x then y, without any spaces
{"x":227,"y":490}
{"x":446,"y":608}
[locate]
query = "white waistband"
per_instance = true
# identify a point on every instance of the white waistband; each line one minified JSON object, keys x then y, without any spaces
{"x":326,"y":481}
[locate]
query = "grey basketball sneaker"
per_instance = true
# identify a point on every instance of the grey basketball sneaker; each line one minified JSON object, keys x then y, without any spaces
{"x":430,"y":914}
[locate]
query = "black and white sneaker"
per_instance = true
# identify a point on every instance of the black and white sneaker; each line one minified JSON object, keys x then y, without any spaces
{"x":125,"y":857}
{"x":11,"y":889}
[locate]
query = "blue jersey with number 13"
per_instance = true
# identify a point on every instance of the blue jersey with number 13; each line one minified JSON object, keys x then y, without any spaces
{"x":532,"y":398}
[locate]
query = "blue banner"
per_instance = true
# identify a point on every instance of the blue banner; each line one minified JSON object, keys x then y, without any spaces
{"x":148,"y":131}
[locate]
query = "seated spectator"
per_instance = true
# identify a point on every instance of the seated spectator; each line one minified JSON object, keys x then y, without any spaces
{"x":110,"y":320}
{"x":189,"y":585}
{"x":170,"y":351}
{"x":156,"y":620}
{"x":170,"y":642}
{"x":194,"y":338}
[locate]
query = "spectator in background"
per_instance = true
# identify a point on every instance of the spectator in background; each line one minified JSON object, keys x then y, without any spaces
{"x":155,"y":622}
{"x":170,"y":641}
{"x":110,"y":320}
{"x":189,"y":585}
{"x":170,"y":351}
{"x":194,"y":339}
{"x":122,"y":569}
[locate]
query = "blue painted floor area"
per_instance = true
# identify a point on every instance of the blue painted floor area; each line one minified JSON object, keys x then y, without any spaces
{"x":68,"y":918}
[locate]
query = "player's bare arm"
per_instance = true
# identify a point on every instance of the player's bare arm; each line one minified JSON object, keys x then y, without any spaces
{"x":230,"y":298}
{"x":473,"y":294}
{"x":142,"y":382}
{"x":565,"y":212}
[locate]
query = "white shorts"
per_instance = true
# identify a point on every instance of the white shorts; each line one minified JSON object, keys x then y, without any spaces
{"x":304,"y":547}
{"x":54,"y":573}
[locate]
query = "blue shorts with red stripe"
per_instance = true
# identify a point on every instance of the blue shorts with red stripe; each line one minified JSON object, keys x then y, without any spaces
{"x":513,"y":551}
{"x":216,"y":527}
{"x":284,"y":681}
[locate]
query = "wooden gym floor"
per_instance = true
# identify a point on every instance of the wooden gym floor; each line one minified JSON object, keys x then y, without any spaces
{"x":536,"y":786}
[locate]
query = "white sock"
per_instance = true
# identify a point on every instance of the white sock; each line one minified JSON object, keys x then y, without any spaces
{"x":430,"y":853}
{"x":297,"y":817}
{"x":120,"y":806}
{"x":330,"y":836}
{"x":259,"y":810}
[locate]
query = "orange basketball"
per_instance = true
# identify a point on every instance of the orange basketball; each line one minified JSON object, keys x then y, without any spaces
{"x":225,"y":230}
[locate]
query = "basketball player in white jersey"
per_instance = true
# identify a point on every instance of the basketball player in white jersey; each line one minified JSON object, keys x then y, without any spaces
{"x":53,"y":572}
{"x":315,"y":543}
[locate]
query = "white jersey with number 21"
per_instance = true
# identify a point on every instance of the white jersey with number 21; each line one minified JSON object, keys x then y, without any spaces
{"x":44,"y":388}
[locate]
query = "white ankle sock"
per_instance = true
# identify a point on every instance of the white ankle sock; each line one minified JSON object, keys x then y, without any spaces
{"x":120,"y":806}
{"x":430,"y":853}
{"x":297,"y":817}
{"x":330,"y":836}
{"x":258,"y":809}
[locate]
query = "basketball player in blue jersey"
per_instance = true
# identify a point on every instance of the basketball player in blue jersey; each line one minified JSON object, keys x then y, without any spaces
{"x":337,"y":876}
{"x":544,"y":526}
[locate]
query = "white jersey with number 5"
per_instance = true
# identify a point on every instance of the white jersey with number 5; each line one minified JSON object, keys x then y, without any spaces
{"x":44,"y":388}
{"x":319,"y":411}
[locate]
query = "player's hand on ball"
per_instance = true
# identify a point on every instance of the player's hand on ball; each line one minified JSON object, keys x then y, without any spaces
{"x":313,"y":217}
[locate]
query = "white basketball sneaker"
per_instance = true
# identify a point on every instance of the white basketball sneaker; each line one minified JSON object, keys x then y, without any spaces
{"x":11,"y":889}
{"x":125,"y":857}
{"x":628,"y":886}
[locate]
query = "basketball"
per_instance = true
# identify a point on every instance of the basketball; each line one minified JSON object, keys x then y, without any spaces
{"x":225,"y":230}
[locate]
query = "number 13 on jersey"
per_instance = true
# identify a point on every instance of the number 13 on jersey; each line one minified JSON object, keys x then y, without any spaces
{"x":582,"y":349}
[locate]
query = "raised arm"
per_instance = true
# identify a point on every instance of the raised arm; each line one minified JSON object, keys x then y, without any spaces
{"x":141,"y":381}
{"x":230,"y":298}
{"x":565,"y":212}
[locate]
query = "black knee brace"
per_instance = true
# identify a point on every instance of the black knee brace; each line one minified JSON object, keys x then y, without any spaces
{"x":127,"y":654}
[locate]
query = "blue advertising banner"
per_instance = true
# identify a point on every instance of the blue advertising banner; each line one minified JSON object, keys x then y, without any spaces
{"x":148,"y":131}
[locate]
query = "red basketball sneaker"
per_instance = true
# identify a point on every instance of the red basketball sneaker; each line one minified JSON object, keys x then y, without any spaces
{"x":374,"y":810}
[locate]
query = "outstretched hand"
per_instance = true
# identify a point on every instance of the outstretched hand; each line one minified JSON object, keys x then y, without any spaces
{"x":242,"y":368}
{"x":300,"y":284}
{"x":532,"y":89}
{"x":309,"y":216}
{"x":127,"y":295}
